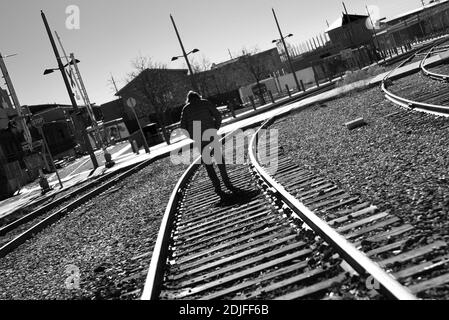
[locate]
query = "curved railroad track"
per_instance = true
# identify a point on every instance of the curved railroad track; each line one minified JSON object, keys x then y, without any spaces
{"x":434,"y":102}
{"x":297,"y":237}
{"x":425,"y":69}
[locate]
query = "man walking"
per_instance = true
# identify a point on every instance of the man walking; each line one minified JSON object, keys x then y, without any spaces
{"x":200,"y":115}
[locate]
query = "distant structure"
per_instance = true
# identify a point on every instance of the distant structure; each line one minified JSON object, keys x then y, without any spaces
{"x":222,"y":82}
{"x":350,"y":31}
{"x":430,"y":19}
{"x":13,"y":168}
{"x":160,"y":94}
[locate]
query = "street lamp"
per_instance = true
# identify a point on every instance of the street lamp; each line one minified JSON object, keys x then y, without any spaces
{"x":184,"y":54}
{"x":176,"y":58}
{"x":48,"y":71}
{"x":69,"y":91}
{"x":286,"y":50}
{"x":279,"y":40}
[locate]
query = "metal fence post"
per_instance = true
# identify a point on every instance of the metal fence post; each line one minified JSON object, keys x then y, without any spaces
{"x":288,"y":90}
{"x":302,"y":85}
{"x":271,"y":96}
{"x":251,"y":98}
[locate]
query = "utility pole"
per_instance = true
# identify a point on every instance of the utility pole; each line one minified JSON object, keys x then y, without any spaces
{"x":70,"y":92}
{"x":230,"y":55}
{"x":374,"y":29}
{"x":286,"y":51}
{"x":194,"y":84}
{"x":15,"y":100}
{"x":107,"y":156}
{"x":350,"y":26}
{"x":113,"y":82}
{"x":80,"y":86}
{"x":351,"y":33}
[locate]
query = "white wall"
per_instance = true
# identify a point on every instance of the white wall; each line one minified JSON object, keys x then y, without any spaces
{"x":246,"y":92}
{"x":275,"y":85}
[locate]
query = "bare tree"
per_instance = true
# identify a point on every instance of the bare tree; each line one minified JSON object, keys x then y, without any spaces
{"x":255,"y":68}
{"x":153,"y":85}
{"x":200,"y":69}
{"x":222,"y":82}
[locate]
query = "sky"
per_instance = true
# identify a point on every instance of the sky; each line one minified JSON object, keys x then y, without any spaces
{"x":112,"y":33}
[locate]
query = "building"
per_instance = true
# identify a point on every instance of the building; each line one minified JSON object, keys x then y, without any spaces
{"x":13,"y":167}
{"x":160,"y":95}
{"x":223,"y":81}
{"x":60,"y":131}
{"x":413,"y":25}
{"x":350,"y":31}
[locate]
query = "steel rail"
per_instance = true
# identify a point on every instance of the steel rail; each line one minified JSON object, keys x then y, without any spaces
{"x":159,"y":256}
{"x":411,"y":104}
{"x":358,"y":260}
{"x":155,"y":272}
{"x":20,"y":239}
{"x":46,"y":207}
{"x":430,"y":74}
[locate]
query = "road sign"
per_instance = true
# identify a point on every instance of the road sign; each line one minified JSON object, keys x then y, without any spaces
{"x":37,"y":121}
{"x":131,"y":102}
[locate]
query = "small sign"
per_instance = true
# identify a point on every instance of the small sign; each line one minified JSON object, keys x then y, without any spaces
{"x":131,"y":102}
{"x":37,"y":121}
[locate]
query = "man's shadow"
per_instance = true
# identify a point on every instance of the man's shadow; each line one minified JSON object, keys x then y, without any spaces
{"x":241,"y":198}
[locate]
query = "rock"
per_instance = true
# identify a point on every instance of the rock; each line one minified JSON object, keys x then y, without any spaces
{"x":357,"y":123}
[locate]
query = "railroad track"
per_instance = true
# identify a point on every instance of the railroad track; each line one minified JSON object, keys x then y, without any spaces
{"x":277,"y":245}
{"x":16,"y":232}
{"x":433,"y":74}
{"x":435,"y":101}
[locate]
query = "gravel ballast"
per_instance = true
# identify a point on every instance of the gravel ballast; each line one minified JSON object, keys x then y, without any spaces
{"x":108,"y":239}
{"x":399,"y":161}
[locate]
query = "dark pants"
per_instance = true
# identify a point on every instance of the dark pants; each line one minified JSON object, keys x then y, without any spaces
{"x":219,"y":159}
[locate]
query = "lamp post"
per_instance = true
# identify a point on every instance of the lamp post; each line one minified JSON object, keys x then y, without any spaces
{"x":286,"y":50}
{"x":69,"y":91}
{"x":184,"y":54}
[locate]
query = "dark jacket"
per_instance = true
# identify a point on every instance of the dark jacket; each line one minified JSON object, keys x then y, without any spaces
{"x":200,"y":110}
